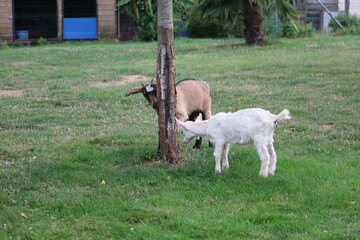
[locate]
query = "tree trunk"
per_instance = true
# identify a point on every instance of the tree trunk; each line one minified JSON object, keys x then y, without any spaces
{"x":165,"y":80}
{"x":253,"y":20}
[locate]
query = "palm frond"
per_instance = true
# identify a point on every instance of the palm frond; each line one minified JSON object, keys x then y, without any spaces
{"x":222,"y":10}
{"x":287,"y":8}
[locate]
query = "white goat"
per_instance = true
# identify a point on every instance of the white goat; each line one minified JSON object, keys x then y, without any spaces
{"x":253,"y":125}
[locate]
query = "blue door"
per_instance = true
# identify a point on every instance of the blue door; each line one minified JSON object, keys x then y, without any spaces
{"x":80,"y":19}
{"x":80,"y":28}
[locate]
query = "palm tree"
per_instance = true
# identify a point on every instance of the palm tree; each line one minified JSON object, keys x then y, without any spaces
{"x":229,"y":11}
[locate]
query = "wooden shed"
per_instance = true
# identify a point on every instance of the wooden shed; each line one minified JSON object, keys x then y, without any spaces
{"x":314,"y":13}
{"x":57,"y":20}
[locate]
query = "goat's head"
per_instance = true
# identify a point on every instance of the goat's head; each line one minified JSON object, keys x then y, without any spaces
{"x":186,"y":128}
{"x":149,"y":92}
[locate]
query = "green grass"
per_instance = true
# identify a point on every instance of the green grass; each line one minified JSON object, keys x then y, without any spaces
{"x":63,"y":137}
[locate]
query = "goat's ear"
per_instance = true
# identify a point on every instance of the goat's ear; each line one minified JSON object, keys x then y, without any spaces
{"x":134,"y":90}
{"x":199,"y":118}
{"x":182,"y":124}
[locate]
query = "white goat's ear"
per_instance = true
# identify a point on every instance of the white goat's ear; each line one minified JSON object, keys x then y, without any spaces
{"x":182,"y":124}
{"x":199,"y":118}
{"x":178,"y":121}
{"x":134,"y":90}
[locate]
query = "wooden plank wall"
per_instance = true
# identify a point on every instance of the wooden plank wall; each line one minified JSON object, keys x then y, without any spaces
{"x":107,"y":19}
{"x":312,"y":11}
{"x":6,"y":20}
{"x":107,"y":25}
{"x":60,"y":19}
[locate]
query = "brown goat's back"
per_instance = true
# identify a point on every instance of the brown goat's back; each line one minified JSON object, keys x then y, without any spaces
{"x":193,"y":96}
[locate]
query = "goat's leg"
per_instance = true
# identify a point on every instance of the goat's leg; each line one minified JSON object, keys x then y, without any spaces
{"x":265,"y":159}
{"x":198,"y":143}
{"x":225,"y":161}
{"x":272,"y":153}
{"x":217,"y":155}
{"x":207,"y":115}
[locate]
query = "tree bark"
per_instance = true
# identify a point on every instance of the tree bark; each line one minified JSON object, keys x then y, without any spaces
{"x":165,"y":80}
{"x":253,"y":20}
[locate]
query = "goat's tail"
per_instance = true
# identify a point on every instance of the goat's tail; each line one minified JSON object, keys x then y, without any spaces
{"x":283,"y":116}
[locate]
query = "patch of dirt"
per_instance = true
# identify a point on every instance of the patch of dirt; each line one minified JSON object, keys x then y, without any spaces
{"x":216,"y":46}
{"x":127,"y":79}
{"x":9,"y":93}
{"x":23,"y":63}
{"x":250,"y":87}
{"x":328,"y":125}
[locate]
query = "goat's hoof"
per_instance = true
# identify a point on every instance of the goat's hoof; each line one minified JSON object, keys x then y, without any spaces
{"x":196,"y":146}
{"x":217,"y":171}
{"x":225,"y":167}
{"x":263,"y":174}
{"x":272,"y":171}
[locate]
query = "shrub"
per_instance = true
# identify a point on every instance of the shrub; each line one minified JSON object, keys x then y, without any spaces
{"x":351,"y":23}
{"x":181,"y":11}
{"x":3,"y":44}
{"x":146,"y":27}
{"x":41,"y":41}
{"x":199,"y":28}
{"x":144,"y":16}
{"x":294,"y":29}
{"x":16,"y":44}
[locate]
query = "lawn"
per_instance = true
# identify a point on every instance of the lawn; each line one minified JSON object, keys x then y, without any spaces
{"x":78,"y":161}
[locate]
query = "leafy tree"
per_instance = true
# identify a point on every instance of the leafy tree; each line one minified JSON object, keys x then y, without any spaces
{"x":229,"y":12}
{"x":143,"y":13}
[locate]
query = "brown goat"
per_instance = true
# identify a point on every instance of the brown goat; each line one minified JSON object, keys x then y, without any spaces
{"x":193,"y":97}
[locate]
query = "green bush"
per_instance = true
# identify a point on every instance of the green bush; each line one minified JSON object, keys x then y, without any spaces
{"x":41,"y":41}
{"x":3,"y":44}
{"x":17,"y":44}
{"x":181,"y":28}
{"x":295,"y":29}
{"x":146,"y":27}
{"x":199,"y":28}
{"x":144,"y":16}
{"x":351,"y":23}
{"x":348,"y":21}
